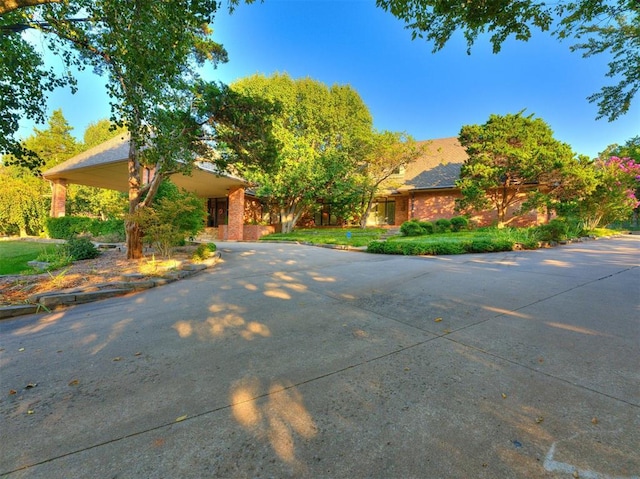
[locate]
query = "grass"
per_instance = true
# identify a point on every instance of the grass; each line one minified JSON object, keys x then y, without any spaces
{"x":337,"y":236}
{"x":14,"y":255}
{"x":516,"y":235}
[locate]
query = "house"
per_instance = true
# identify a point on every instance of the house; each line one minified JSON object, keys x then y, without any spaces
{"x":229,"y":208}
{"x":426,"y":190}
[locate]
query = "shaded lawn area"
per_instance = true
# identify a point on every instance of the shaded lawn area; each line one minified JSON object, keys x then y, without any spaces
{"x":339,"y":236}
{"x":14,"y":255}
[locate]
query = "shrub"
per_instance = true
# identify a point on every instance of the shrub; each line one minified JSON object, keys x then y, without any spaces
{"x":173,"y":216}
{"x":203,"y":251}
{"x":112,"y":229}
{"x":443,"y":225}
{"x":81,"y":248}
{"x":427,"y":226}
{"x":554,"y":230}
{"x":67,"y":227}
{"x":459,"y":223}
{"x":412,"y":228}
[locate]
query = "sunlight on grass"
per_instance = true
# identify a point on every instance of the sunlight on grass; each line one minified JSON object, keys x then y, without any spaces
{"x":14,"y":255}
{"x":338,"y":236}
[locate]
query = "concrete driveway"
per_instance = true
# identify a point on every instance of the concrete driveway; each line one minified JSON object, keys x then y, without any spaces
{"x":295,"y":361}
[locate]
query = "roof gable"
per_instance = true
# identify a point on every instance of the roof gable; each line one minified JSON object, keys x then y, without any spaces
{"x":111,"y":151}
{"x":438,"y":167}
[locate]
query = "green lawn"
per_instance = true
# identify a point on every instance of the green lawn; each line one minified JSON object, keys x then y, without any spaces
{"x":14,"y":255}
{"x":342,"y":236}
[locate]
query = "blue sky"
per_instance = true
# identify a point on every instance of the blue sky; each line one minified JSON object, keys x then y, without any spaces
{"x":406,"y":86}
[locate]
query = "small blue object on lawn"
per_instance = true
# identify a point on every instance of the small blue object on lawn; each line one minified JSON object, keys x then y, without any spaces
{"x":348,"y":234}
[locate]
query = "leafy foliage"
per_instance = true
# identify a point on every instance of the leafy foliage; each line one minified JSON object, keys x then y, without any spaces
{"x":79,"y":248}
{"x":509,"y":156}
{"x":23,"y":203}
{"x":203,"y":251}
{"x":150,"y":53}
{"x":321,"y":133}
{"x":459,"y":223}
{"x":388,"y":152}
{"x":614,"y":196}
{"x":555,"y":230}
{"x":412,"y":228}
{"x":173,"y":216}
{"x":598,"y":26}
{"x":443,"y":225}
{"x":23,"y":89}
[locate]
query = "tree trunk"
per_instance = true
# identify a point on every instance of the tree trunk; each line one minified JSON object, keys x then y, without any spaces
{"x":132,"y":226}
{"x":134,"y":240}
{"x":367,"y":211}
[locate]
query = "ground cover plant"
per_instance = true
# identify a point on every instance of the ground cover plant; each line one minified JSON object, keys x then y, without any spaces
{"x":339,"y":236}
{"x":477,"y":241}
{"x":14,"y":255}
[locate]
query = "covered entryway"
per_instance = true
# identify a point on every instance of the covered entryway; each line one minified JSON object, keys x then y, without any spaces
{"x":106,"y":166}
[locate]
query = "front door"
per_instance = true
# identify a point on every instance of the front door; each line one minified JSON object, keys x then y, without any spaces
{"x":218,"y":211}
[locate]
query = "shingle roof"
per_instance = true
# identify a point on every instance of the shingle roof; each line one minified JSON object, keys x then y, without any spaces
{"x":111,"y":151}
{"x":438,"y":167}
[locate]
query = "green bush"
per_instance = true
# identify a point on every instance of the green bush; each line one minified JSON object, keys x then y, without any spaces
{"x":67,"y":227}
{"x":554,"y":230}
{"x":173,"y":216}
{"x":427,"y":226}
{"x":459,"y":223}
{"x":112,"y":230}
{"x":412,"y":228}
{"x":80,"y":248}
{"x":478,"y":245}
{"x":203,"y":251}
{"x":443,"y":225}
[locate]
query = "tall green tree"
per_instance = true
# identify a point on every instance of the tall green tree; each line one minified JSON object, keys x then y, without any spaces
{"x":100,"y":131}
{"x":53,"y":144}
{"x":25,"y":82}
{"x":322,"y":132}
{"x":510,"y":157}
{"x":24,"y":202}
{"x":150,"y":53}
{"x":614,"y":196}
{"x":389,"y":152}
{"x":24,"y":196}
{"x":597,"y":26}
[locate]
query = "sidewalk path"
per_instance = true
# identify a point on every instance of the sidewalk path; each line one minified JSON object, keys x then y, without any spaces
{"x":295,"y":361}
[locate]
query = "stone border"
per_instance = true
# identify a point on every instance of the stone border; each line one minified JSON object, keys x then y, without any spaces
{"x":129,"y":283}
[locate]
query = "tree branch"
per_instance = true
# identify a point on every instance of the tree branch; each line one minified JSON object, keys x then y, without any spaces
{"x":10,"y":5}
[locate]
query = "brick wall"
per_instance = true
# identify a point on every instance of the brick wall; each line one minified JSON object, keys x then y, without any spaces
{"x":235,"y":230}
{"x":58,"y":198}
{"x":430,"y":206}
{"x":402,"y":210}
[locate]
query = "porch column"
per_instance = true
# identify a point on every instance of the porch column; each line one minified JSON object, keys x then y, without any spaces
{"x":58,"y":198}
{"x":235,"y":226}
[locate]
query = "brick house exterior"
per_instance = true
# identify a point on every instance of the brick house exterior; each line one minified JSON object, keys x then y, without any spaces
{"x":106,"y":166}
{"x":426,"y":190}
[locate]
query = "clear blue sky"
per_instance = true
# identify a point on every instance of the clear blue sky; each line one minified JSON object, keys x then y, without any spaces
{"x":406,"y":87}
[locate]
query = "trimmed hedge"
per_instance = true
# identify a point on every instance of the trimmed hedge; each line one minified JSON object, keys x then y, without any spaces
{"x":410,"y":248}
{"x":67,"y":227}
{"x":459,"y":223}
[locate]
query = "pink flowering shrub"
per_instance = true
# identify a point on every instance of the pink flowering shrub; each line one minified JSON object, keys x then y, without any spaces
{"x":616,"y":194}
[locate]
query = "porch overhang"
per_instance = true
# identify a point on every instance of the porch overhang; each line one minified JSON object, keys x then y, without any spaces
{"x":106,"y":166}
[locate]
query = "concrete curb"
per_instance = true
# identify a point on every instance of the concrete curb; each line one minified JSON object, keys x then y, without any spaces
{"x":45,"y":302}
